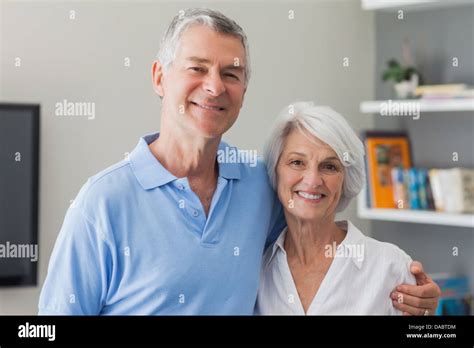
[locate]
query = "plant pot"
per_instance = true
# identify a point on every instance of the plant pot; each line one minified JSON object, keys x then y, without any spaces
{"x":406,"y":89}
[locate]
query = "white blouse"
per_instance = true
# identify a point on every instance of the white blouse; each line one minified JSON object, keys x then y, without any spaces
{"x":360,"y":279}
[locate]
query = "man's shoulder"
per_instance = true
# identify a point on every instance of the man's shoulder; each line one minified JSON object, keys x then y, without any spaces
{"x":256,"y":168}
{"x":249,"y":163}
{"x":110,"y":184}
{"x":111,"y":172}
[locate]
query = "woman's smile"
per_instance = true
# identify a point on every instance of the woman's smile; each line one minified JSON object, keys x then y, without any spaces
{"x":310,"y":197}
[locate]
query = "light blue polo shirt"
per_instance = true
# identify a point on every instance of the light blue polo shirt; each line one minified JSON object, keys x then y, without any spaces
{"x":136,"y":241}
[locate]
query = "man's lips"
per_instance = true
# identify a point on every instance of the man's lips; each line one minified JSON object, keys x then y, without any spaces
{"x":206,"y":106}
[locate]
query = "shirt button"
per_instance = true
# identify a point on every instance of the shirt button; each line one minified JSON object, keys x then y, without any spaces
{"x":180,"y":187}
{"x":195,"y":213}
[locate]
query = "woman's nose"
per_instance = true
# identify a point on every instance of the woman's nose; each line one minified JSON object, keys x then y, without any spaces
{"x":214,"y":85}
{"x":313,"y":178}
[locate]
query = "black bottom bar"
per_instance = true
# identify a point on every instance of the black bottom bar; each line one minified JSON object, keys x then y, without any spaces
{"x":137,"y":330}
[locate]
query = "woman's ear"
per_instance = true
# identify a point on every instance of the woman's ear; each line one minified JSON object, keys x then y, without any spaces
{"x":157,"y":77}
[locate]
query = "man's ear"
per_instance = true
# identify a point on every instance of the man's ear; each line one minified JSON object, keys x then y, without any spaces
{"x":157,"y":77}
{"x":243,"y":97}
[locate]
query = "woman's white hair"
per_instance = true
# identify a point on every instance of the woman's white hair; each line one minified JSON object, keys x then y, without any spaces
{"x":330,"y":127}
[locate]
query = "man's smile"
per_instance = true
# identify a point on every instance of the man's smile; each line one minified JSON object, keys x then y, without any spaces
{"x":205,"y":106}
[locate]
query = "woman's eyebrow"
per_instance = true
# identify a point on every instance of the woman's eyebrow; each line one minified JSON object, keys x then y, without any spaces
{"x":331,"y":158}
{"x":296,"y":153}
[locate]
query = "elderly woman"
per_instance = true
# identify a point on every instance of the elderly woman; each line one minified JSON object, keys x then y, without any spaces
{"x":318,"y":265}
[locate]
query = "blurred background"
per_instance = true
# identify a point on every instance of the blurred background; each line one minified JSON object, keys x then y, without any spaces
{"x":332,"y":52}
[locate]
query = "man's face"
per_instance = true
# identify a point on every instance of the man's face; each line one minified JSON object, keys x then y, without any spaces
{"x":204,"y":86}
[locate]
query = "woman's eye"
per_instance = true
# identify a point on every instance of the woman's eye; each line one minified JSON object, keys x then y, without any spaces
{"x":331,"y":167}
{"x":296,"y":163}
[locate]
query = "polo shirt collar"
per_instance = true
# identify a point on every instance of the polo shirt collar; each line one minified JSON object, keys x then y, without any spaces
{"x":150,"y":173}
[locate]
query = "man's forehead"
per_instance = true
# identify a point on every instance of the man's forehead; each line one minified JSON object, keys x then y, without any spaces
{"x":202,"y":41}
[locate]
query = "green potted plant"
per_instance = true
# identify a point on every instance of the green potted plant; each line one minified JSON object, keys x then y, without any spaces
{"x":405,"y":78}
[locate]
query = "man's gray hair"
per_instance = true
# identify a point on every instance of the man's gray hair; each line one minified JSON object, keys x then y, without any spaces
{"x":201,"y":16}
{"x":330,"y":127}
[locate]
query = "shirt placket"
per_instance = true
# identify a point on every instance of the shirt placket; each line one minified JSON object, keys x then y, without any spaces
{"x":191,"y":206}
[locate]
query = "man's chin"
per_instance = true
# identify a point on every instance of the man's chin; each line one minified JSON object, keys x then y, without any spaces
{"x":211,"y":132}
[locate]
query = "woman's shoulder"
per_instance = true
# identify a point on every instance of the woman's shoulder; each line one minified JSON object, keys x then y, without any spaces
{"x":380,"y":252}
{"x":385,"y":261}
{"x":387,"y":250}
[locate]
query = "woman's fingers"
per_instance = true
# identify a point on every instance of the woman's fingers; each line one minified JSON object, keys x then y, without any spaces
{"x":429,"y":303}
{"x":410,"y":310}
{"x":427,"y":290}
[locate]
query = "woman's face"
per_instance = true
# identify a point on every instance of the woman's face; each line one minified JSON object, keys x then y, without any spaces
{"x":309,"y":177}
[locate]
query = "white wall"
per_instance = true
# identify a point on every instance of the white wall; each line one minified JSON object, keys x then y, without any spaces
{"x":83,"y":60}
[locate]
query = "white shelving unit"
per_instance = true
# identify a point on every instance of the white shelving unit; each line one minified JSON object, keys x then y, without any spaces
{"x":412,"y":216}
{"x":411,"y":5}
{"x":444,"y":105}
{"x":425,"y":105}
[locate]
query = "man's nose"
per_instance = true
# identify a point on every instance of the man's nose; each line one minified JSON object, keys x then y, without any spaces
{"x":214,"y":85}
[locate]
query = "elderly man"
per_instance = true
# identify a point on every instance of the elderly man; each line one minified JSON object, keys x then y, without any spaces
{"x":170,"y":230}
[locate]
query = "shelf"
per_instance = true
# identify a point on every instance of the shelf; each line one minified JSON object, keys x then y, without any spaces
{"x":412,"y":216}
{"x":394,"y":5}
{"x":374,"y":107}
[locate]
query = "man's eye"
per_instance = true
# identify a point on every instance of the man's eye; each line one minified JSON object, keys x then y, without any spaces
{"x":232,"y":76}
{"x":196,"y":68}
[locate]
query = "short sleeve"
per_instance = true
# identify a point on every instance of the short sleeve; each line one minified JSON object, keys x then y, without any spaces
{"x":404,"y":275}
{"x":79,"y":269}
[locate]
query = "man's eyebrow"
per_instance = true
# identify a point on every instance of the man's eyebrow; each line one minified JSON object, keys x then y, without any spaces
{"x":207,"y":61}
{"x":233,"y":67}
{"x":199,"y":60}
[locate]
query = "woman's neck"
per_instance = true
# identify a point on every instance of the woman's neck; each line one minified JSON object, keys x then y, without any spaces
{"x":306,"y":239}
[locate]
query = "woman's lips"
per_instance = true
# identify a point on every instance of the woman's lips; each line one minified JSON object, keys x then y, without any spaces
{"x":311,"y":197}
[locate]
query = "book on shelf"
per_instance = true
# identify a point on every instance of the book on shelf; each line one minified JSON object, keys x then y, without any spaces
{"x":444,"y":91}
{"x":456,"y":298}
{"x":399,"y":187}
{"x":411,"y":189}
{"x":385,"y":150}
{"x":442,"y":190}
{"x":394,"y":184}
{"x":453,"y":189}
